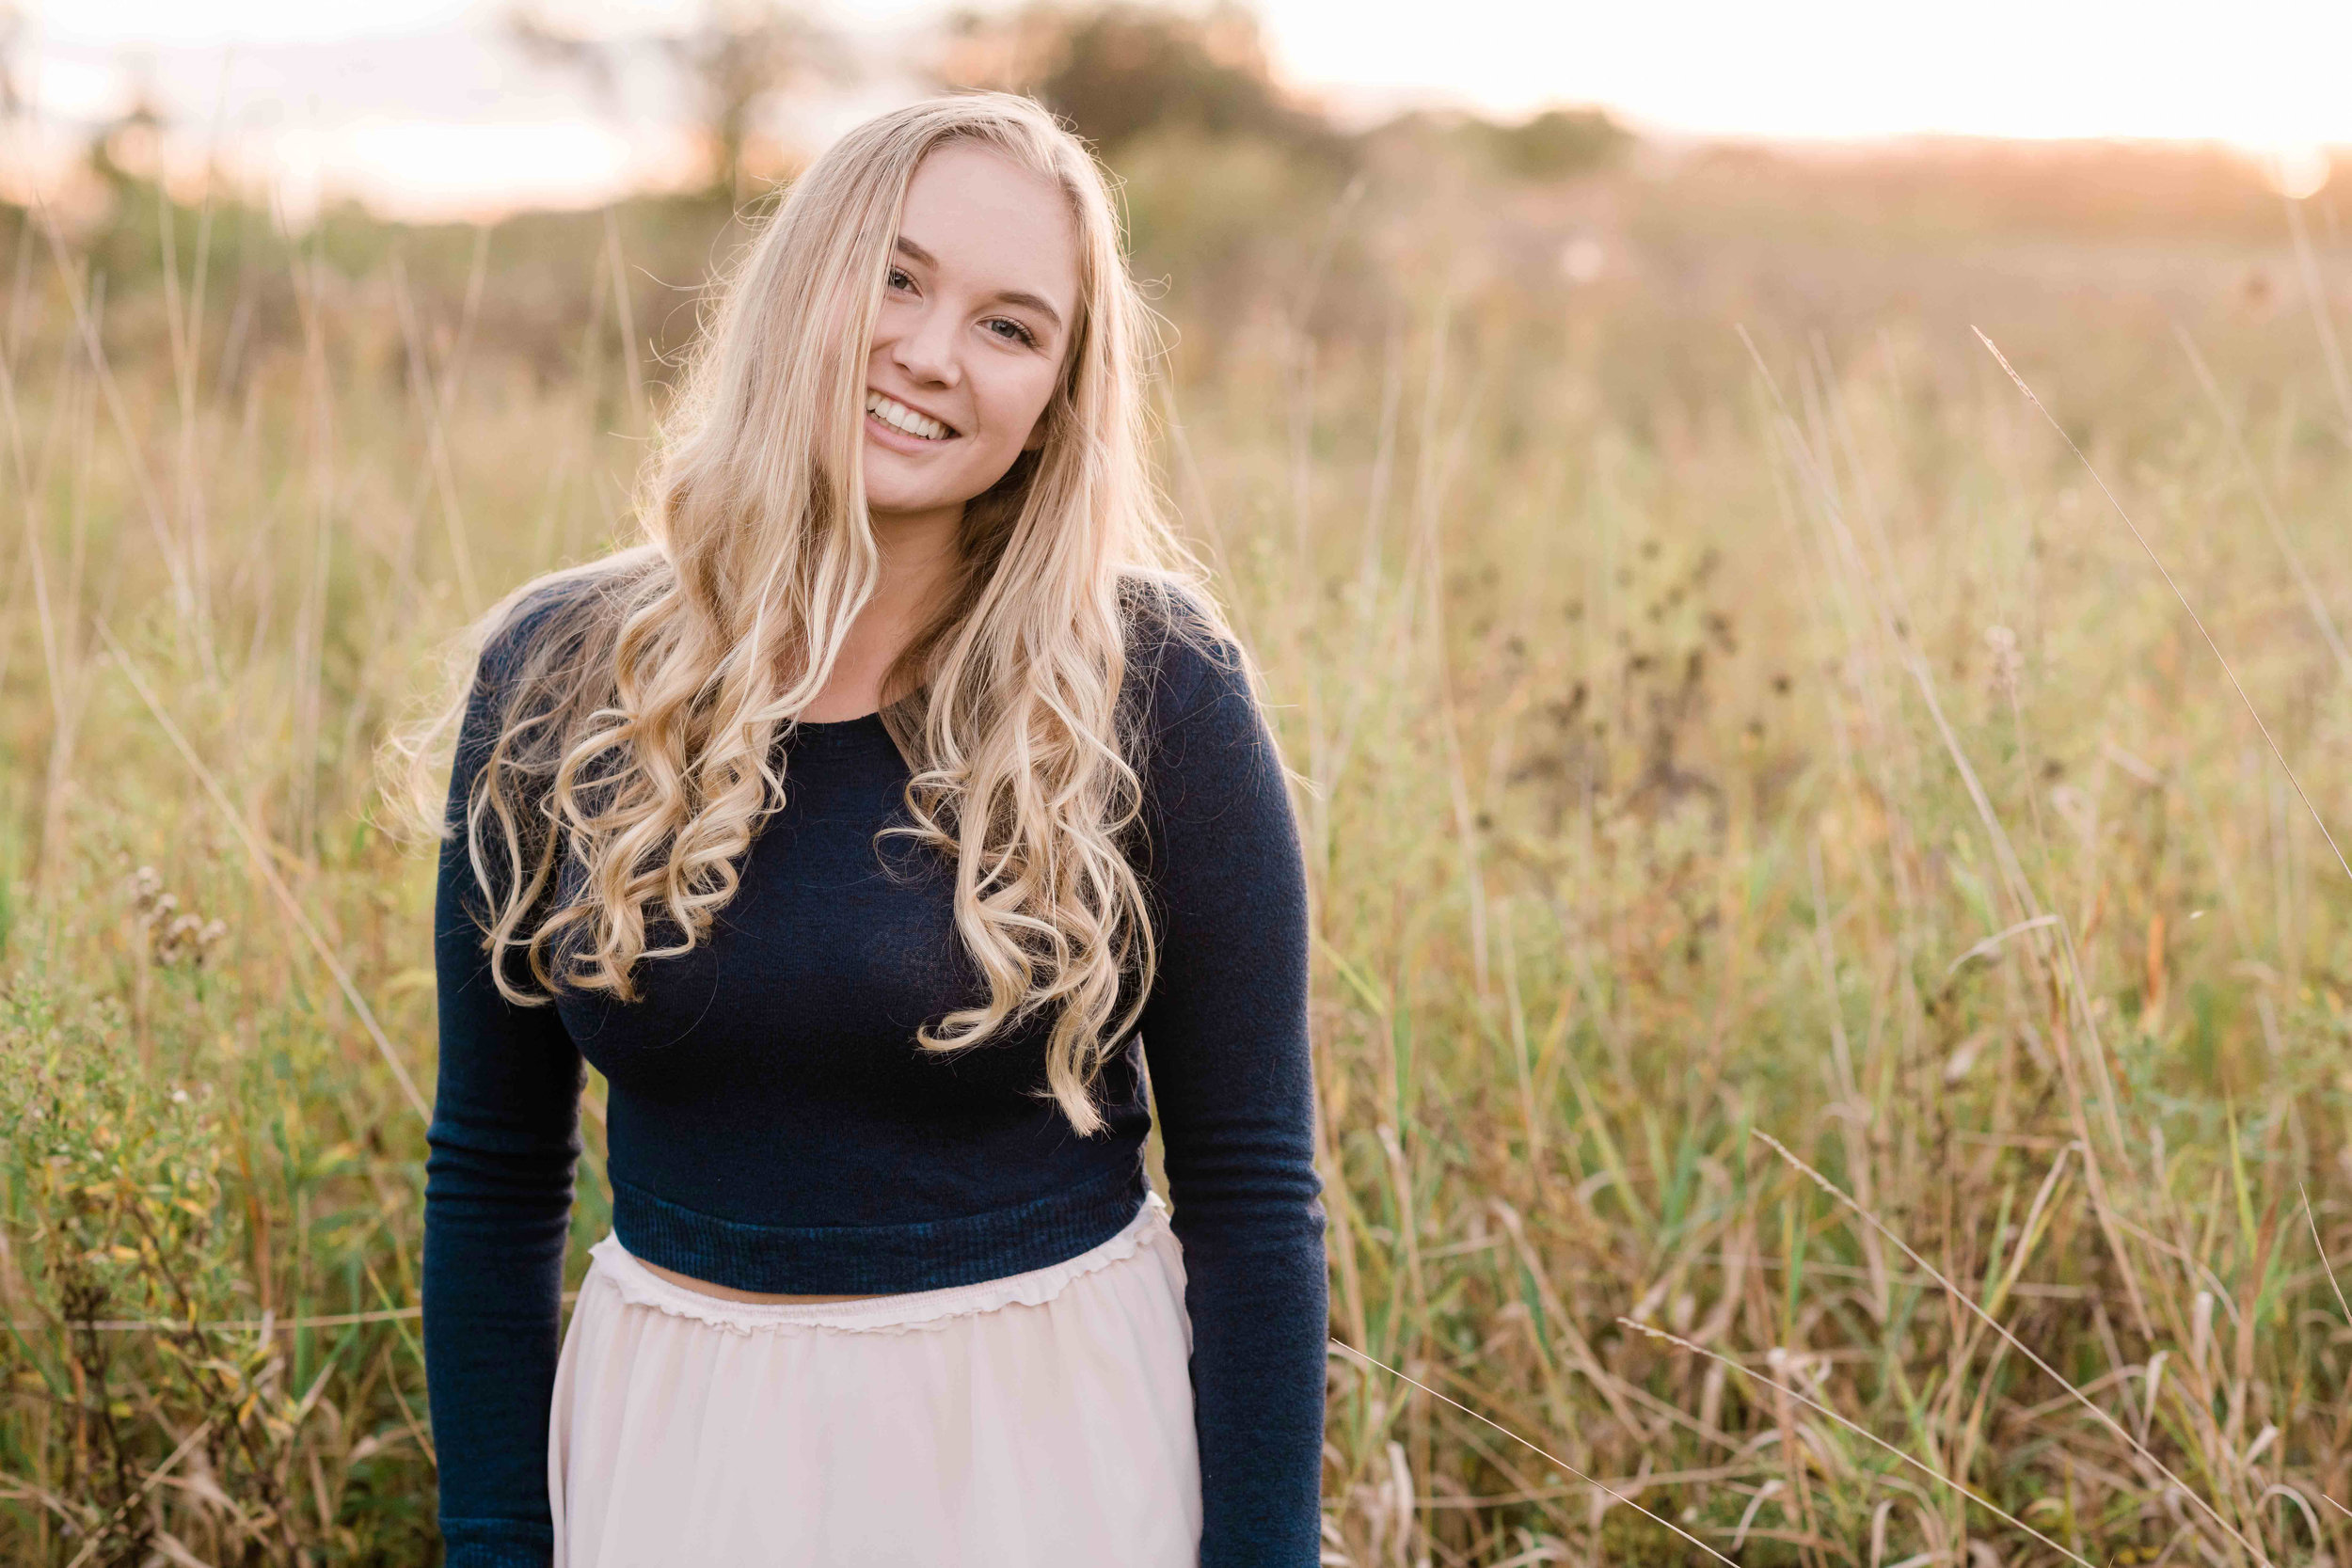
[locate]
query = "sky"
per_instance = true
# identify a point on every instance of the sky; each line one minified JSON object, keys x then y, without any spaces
{"x":420,"y":107}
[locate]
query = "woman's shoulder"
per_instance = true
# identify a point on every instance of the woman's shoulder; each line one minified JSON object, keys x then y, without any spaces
{"x":555,"y":616}
{"x":1180,"y":654}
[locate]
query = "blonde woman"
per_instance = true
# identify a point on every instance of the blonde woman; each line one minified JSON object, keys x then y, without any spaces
{"x":864,"y":826}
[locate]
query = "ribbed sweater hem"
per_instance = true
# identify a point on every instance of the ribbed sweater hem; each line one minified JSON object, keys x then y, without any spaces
{"x":880,"y":1260}
{"x":497,"y":1544}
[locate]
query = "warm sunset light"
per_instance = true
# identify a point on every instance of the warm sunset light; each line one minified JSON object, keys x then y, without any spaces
{"x":417,"y":104}
{"x":1187,"y":783}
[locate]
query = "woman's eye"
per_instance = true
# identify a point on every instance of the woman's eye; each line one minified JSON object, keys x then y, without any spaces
{"x":899,"y":278}
{"x":1019,"y":334}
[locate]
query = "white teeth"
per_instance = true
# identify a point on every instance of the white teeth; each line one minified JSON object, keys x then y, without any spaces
{"x":892,"y":412}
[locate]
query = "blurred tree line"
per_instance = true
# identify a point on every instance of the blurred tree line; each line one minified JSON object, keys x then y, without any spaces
{"x":1118,"y":73}
{"x":1242,"y":195}
{"x":1228,"y":178}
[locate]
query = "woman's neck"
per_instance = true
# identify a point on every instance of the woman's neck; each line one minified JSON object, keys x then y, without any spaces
{"x":919,"y":557}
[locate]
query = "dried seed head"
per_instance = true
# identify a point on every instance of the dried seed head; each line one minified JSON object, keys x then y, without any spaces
{"x":2009,"y":665}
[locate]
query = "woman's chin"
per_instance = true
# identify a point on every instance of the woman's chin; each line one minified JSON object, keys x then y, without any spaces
{"x":896,"y":500}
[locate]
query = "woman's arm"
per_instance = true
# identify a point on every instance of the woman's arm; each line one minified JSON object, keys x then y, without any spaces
{"x":1224,"y":1034}
{"x":497,"y":1209}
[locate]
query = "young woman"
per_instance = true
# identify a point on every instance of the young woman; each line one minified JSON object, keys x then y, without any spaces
{"x":865,"y":826}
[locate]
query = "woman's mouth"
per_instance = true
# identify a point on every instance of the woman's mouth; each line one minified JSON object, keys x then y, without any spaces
{"x":897,"y":418}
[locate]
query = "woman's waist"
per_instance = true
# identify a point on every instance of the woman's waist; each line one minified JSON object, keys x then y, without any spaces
{"x":918,"y":1246}
{"x":753,"y":1298}
{"x":639,"y":1284}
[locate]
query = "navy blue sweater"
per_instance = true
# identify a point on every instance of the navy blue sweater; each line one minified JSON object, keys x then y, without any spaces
{"x":773,"y":1126}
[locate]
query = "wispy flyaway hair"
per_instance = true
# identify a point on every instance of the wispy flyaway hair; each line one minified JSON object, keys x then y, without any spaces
{"x":635,"y":755}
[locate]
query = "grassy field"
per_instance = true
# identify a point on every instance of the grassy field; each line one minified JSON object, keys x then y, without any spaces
{"x":1831,"y":1013}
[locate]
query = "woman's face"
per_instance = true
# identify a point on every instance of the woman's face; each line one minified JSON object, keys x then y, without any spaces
{"x":976,"y":318}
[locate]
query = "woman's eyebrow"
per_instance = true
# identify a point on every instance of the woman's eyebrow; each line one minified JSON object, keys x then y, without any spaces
{"x":1022,"y":297}
{"x":1003,"y":296}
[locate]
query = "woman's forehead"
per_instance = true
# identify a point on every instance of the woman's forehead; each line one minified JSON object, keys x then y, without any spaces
{"x":992,"y":223}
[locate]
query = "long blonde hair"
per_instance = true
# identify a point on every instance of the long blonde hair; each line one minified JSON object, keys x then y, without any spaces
{"x":636,"y":734}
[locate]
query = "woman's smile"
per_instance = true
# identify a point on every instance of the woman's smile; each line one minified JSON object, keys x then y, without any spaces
{"x":903,"y":428}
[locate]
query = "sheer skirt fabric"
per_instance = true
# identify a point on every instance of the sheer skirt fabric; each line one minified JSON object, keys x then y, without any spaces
{"x":1043,"y":1418}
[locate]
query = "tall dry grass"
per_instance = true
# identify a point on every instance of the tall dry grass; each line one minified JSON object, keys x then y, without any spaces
{"x":1830,"y":1020}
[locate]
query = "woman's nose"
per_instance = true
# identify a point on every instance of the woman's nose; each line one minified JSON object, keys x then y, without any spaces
{"x":926,"y":351}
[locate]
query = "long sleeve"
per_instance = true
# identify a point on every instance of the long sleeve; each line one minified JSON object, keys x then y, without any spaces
{"x":497,"y":1210}
{"x":1224,"y":1035}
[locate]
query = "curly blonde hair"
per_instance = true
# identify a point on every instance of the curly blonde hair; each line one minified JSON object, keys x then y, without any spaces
{"x":635,"y":752}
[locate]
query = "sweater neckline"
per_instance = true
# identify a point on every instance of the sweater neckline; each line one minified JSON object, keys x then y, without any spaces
{"x":860,"y":732}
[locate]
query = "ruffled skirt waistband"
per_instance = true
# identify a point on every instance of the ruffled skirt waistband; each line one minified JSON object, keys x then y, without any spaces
{"x":1033,"y":1421}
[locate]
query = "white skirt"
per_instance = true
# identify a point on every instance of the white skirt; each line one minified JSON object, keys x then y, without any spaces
{"x":1044,"y":1418}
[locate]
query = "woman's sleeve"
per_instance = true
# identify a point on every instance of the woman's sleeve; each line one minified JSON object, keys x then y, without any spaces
{"x":497,"y":1212}
{"x":1224,"y":1035}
